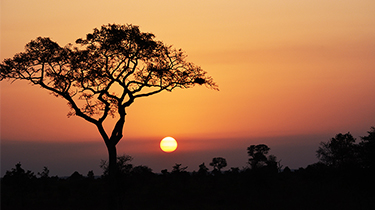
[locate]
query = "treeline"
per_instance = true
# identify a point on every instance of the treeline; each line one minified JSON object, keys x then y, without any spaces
{"x":342,"y":179}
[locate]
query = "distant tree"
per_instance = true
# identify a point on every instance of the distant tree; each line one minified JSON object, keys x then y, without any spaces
{"x":367,"y":149}
{"x":235,"y":170}
{"x":218,"y":163}
{"x":339,"y":152}
{"x":272,"y":164}
{"x":141,"y":170}
{"x":76,"y":176}
{"x":90,"y":175}
{"x":203,"y":170}
{"x":287,"y":170}
{"x":18,"y":174}
{"x":257,"y":155}
{"x":104,"y":74}
{"x":164,"y":172}
{"x":178,"y":169}
{"x":45,"y":173}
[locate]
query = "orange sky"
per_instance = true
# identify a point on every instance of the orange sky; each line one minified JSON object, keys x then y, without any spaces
{"x":284,"y":68}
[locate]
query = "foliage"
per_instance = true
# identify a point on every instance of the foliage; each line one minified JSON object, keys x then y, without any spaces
{"x":106,"y":71}
{"x":18,"y":174}
{"x":273,"y":164}
{"x":141,"y":170}
{"x":316,"y":187}
{"x":76,"y":176}
{"x":203,"y":170}
{"x":103,"y":74}
{"x":123,"y":167}
{"x":339,"y":152}
{"x":257,"y":155}
{"x":45,"y":173}
{"x":90,"y":175}
{"x":367,"y":150}
{"x":218,"y":163}
{"x":342,"y":151}
{"x":178,"y":169}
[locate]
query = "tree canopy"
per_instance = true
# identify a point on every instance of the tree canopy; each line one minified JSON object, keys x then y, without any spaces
{"x":105,"y":72}
{"x":367,"y":149}
{"x":257,"y":155}
{"x":340,"y":151}
{"x":218,"y":163}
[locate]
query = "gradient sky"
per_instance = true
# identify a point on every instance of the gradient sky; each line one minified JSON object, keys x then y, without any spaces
{"x":291,"y":74}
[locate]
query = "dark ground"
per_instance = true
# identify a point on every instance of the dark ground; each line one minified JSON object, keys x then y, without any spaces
{"x":310,"y":188}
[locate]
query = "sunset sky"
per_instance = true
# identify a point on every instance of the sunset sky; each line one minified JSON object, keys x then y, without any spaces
{"x":291,"y":74}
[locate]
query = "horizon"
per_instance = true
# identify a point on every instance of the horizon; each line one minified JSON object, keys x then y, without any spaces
{"x":291,"y":74}
{"x":35,"y":155}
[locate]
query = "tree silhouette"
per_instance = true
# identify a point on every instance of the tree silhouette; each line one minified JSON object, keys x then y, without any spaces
{"x":45,"y":173}
{"x":203,"y":170}
{"x":90,"y":175}
{"x":257,"y":155}
{"x":218,"y":163}
{"x":76,"y":176}
{"x":104,"y":73}
{"x":123,"y":166}
{"x":339,"y":152}
{"x":272,"y":164}
{"x":367,"y":149}
{"x":178,"y":169}
{"x":141,"y":170}
{"x":18,"y":174}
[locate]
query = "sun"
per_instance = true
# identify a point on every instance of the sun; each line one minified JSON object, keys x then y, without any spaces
{"x":168,"y":144}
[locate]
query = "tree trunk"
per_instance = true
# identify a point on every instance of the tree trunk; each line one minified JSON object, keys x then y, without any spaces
{"x":112,"y":154}
{"x":114,"y":194}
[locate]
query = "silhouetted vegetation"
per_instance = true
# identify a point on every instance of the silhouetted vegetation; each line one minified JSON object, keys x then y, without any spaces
{"x":102,"y":74}
{"x":342,"y":152}
{"x":218,"y":163}
{"x":339,"y":152}
{"x":331,"y":183}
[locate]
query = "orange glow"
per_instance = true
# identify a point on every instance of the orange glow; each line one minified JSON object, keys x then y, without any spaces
{"x":168,"y":144}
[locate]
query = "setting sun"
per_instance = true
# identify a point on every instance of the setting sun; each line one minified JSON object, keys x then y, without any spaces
{"x":168,"y":144}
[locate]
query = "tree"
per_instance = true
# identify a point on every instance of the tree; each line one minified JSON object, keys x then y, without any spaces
{"x":178,"y":169}
{"x":18,"y":175}
{"x":367,"y":149}
{"x":273,"y":165}
{"x":218,"y":163}
{"x":203,"y":170}
{"x":257,"y":155}
{"x":104,"y":73}
{"x":90,"y":175}
{"x":76,"y":176}
{"x":339,"y":152}
{"x":141,"y":170}
{"x":45,"y":173}
{"x":123,"y":166}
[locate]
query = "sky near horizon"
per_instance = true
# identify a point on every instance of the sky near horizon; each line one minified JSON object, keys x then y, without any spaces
{"x":291,"y":74}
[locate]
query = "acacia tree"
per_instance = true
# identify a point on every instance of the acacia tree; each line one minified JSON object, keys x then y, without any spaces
{"x":101,"y":75}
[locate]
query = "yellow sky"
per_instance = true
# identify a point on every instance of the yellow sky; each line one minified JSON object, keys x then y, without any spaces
{"x":283,"y":67}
